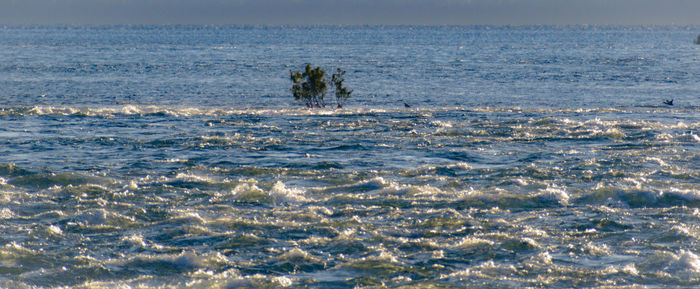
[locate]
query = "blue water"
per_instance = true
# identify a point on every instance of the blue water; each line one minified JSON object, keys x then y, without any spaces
{"x":175,"y":156}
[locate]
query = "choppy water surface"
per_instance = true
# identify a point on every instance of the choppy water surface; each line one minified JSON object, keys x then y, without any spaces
{"x":174,"y":157}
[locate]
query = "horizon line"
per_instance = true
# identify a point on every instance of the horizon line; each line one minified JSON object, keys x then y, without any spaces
{"x":6,"y":25}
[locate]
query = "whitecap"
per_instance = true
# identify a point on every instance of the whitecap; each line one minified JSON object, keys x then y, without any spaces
{"x":54,"y":230}
{"x":187,"y":177}
{"x":554,"y":193}
{"x":469,"y":242}
{"x":528,"y":230}
{"x":487,"y":270}
{"x":250,"y":192}
{"x":690,"y":195}
{"x":281,"y":193}
{"x":102,"y":217}
{"x":695,"y":137}
{"x":689,"y":261}
{"x":596,"y":249}
{"x":6,"y":213}
{"x":629,"y":269}
{"x":683,"y":265}
{"x":298,"y":255}
{"x":134,"y":239}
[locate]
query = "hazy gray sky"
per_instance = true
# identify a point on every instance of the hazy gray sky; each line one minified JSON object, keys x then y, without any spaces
{"x":517,"y":12}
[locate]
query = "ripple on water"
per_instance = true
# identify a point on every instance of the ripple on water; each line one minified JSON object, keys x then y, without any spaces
{"x":263,"y":198}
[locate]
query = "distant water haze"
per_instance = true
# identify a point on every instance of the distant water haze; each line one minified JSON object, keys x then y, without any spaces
{"x":414,"y":12}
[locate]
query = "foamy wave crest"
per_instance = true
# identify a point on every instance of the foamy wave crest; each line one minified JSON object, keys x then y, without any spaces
{"x":142,"y":110}
{"x":544,"y":198}
{"x":6,"y":213}
{"x":249,"y":191}
{"x":232,"y":279}
{"x":133,"y":109}
{"x":101,"y":218}
{"x":166,"y":264}
{"x":683,"y":265}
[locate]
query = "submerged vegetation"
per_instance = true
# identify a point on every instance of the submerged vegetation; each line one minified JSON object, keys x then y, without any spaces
{"x":311,"y":85}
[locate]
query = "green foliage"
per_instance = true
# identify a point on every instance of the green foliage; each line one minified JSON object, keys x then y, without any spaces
{"x":310,"y":86}
{"x":341,"y":93}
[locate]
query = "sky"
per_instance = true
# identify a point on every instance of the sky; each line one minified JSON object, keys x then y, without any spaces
{"x":352,"y":12}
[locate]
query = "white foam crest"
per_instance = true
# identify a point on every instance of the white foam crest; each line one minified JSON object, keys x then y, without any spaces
{"x":596,"y":249}
{"x":185,"y":260}
{"x":6,"y":213}
{"x":148,"y":110}
{"x":15,"y":247}
{"x":429,"y":170}
{"x":616,"y":128}
{"x":682,"y":230}
{"x":442,"y":124}
{"x":252,"y":281}
{"x":629,"y":269}
{"x":237,"y":139}
{"x":102,"y":217}
{"x":695,"y":137}
{"x":554,"y":193}
{"x":392,"y":188}
{"x":470,"y":241}
{"x":543,"y":258}
{"x":531,"y":231}
{"x":189,"y":215}
{"x":689,"y":260}
{"x":487,"y":270}
{"x":134,"y":239}
{"x":50,"y":110}
{"x":610,"y":132}
{"x":685,"y":194}
{"x":657,"y":160}
{"x":685,"y":137}
{"x":249,"y":191}
{"x":283,"y":194}
{"x":134,"y":109}
{"x":194,"y":178}
{"x":54,"y":230}
{"x":683,"y":265}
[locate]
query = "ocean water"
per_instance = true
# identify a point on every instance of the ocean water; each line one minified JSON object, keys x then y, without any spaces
{"x":175,"y":157}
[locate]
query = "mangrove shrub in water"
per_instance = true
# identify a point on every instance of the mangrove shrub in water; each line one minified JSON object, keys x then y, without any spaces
{"x":341,"y":93}
{"x":310,"y":86}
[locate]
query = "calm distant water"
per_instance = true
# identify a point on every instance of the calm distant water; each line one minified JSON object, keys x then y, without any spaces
{"x":175,"y":156}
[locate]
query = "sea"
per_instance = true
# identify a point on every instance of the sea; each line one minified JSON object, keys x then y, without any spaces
{"x":466,"y":157}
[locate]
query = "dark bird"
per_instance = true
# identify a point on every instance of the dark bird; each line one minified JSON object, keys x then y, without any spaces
{"x":668,"y":101}
{"x":406,"y":105}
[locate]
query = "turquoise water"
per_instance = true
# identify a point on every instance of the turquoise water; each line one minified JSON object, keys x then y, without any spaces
{"x":153,"y":157}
